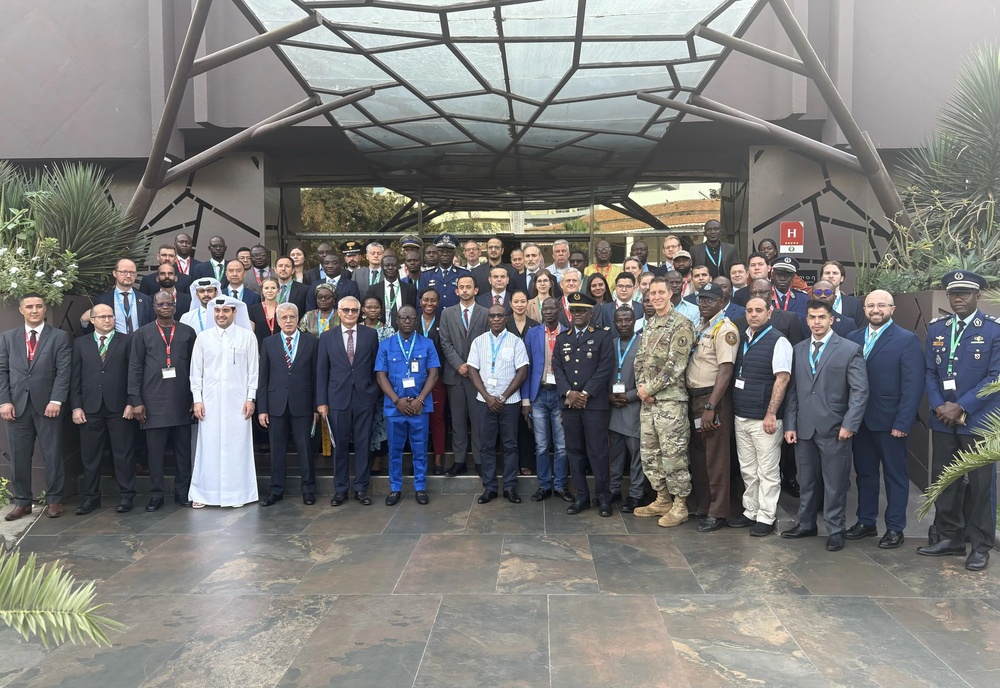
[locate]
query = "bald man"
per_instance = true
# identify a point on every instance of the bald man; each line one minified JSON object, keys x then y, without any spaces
{"x":895,"y":377}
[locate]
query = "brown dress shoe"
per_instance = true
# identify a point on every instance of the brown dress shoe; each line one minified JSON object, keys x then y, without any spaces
{"x":54,"y":510}
{"x":17,"y":512}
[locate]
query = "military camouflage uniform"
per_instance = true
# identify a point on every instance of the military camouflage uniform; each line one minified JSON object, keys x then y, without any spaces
{"x":660,"y":364}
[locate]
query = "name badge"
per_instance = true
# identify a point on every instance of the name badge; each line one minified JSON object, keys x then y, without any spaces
{"x":618,"y":388}
{"x":415,"y":367}
{"x":409,"y":383}
{"x":169,"y":373}
{"x":491,"y":382}
{"x":949,"y":386}
{"x":740,"y":383}
{"x":697,"y":423}
{"x":550,"y":379}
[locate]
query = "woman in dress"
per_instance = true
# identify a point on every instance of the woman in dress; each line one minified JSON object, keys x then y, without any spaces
{"x":371,"y":311}
{"x":518,"y":324}
{"x":542,"y":287}
{"x":262,"y":314}
{"x":324,"y":317}
{"x":429,"y":327}
{"x":299,"y":263}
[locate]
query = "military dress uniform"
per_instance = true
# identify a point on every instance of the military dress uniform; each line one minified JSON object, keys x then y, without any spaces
{"x":583,"y":362}
{"x":664,"y":430}
{"x":961,"y":357}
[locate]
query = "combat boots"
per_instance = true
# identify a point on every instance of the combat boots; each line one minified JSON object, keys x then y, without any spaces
{"x":677,"y":515}
{"x":659,"y":507}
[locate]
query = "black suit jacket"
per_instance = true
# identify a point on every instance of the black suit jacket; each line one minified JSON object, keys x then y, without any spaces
{"x":46,"y":379}
{"x":143,"y":303}
{"x":345,"y":287}
{"x":149,"y":285}
{"x":787,"y":323}
{"x":729,"y":256}
{"x":481,"y":273}
{"x":206,"y":269}
{"x":95,"y":382}
{"x":407,"y":296}
{"x":247,"y":296}
{"x":282,"y":390}
{"x":298,"y":294}
{"x":485,"y":299}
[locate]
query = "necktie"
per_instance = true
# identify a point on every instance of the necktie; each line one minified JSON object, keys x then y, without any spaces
{"x":465,"y":318}
{"x":815,"y":355}
{"x":350,"y":346}
{"x":100,"y":348}
{"x":127,"y":308}
{"x":218,"y":271}
{"x":284,"y":294}
{"x":961,"y":326}
{"x":392,"y":295}
{"x":373,"y":277}
{"x":288,"y":355}
{"x":496,"y":299}
{"x":32,"y":343}
{"x":237,"y":295}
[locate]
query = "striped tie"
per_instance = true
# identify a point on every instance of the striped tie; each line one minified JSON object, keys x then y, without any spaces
{"x":288,"y":355}
{"x":102,"y":350}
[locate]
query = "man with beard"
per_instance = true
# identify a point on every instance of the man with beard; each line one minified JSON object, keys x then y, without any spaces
{"x":202,"y":292}
{"x":842,"y":324}
{"x":166,"y":280}
{"x":149,"y":283}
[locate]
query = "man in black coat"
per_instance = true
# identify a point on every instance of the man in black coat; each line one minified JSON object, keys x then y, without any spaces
{"x":149,"y":284}
{"x":290,"y":291}
{"x":132,"y":308}
{"x":286,"y":401}
{"x":216,"y":265}
{"x":99,"y":399}
{"x":391,"y":291}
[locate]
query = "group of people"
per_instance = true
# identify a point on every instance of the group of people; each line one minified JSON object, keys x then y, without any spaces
{"x":647,"y":379}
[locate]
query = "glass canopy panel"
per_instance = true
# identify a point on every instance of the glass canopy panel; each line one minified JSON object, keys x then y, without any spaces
{"x":385,"y":136}
{"x":472,"y":24}
{"x":537,"y":68}
{"x":275,"y":10}
{"x":375,"y":41}
{"x":631,"y":17}
{"x":392,"y":104}
{"x":488,"y":106}
{"x":552,"y":18}
{"x":320,"y":36}
{"x":601,"y":52}
{"x":495,"y":135}
{"x":393,"y":20}
{"x":691,"y":74}
{"x":432,"y":70}
{"x":594,"y":82}
{"x":343,"y":70}
{"x":734,"y":15}
{"x":485,"y":58}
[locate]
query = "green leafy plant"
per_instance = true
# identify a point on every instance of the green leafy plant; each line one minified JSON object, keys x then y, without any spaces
{"x":5,"y":495}
{"x":47,"y":603}
{"x":36,"y":265}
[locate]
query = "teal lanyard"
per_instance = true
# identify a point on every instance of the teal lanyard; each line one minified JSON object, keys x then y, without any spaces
{"x":872,"y":337}
{"x":407,"y":353}
{"x":749,"y":344}
{"x":427,"y":328}
{"x":496,"y":343}
{"x":814,"y":357}
{"x":623,"y":354}
{"x":323,"y":324}
{"x":956,"y":338}
{"x":295,"y":345}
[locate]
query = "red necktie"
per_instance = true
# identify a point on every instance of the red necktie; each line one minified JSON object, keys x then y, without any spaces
{"x":350,"y":346}
{"x":465,"y":317}
{"x":288,"y":355}
{"x":32,"y":345}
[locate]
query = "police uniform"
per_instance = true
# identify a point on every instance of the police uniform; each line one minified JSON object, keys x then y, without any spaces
{"x":441,"y":280}
{"x":791,"y":300}
{"x":584,"y":362}
{"x":961,"y":357}
{"x":715,"y":345}
{"x":403,"y":364}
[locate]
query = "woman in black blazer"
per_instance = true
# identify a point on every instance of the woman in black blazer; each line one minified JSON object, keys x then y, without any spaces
{"x":429,"y":326}
{"x":518,"y":324}
{"x":264,"y":315}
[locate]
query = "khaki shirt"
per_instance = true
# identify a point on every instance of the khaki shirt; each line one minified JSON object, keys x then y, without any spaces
{"x":716,"y":345}
{"x":662,"y":356}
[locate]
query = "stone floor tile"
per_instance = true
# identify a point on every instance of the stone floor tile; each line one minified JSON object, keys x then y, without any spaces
{"x":359,"y":565}
{"x":540,"y":564}
{"x":452,"y":564}
{"x":500,"y":516}
{"x":444,"y":514}
{"x":91,"y":557}
{"x":640,"y":564}
{"x":174,"y":567}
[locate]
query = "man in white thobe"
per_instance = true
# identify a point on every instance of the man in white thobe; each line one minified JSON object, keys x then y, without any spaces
{"x":224,"y":368}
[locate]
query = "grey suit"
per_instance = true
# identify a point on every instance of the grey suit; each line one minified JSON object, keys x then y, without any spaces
{"x":623,"y":425}
{"x":30,"y":388}
{"x":252,"y":281}
{"x":817,"y":407}
{"x":455,"y":344}
{"x":363,"y":276}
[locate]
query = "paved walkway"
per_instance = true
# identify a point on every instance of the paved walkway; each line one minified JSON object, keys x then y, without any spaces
{"x":458,"y":594}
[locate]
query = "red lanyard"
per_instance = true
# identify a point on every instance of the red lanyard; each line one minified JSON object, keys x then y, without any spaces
{"x":183,"y":267}
{"x":777,"y":301}
{"x":685,"y":285}
{"x":31,"y":347}
{"x":566,"y":309}
{"x":550,"y":339}
{"x":173,"y":330}
{"x":270,"y":321}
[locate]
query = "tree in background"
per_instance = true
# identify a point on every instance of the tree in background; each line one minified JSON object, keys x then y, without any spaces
{"x":349,"y":209}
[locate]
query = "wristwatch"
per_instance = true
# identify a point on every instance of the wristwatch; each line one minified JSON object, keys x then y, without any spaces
{"x":710,"y":407}
{"x":502,"y":398}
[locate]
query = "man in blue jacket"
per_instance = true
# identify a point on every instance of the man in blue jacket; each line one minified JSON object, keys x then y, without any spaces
{"x":892,"y":356}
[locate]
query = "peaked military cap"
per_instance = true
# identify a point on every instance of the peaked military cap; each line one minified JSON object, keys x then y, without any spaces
{"x":350,"y":248}
{"x":786,"y":263}
{"x":411,"y":241}
{"x":446,"y":240}
{"x":963,"y":279}
{"x":580,"y":300}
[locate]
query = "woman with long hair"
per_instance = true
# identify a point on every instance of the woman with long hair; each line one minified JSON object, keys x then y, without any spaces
{"x":371,"y":311}
{"x":597,"y":288}
{"x":542,"y":287}
{"x":324,"y":317}
{"x":300,"y":264}
{"x":262,"y":315}
{"x":518,"y":324}
{"x":429,"y":326}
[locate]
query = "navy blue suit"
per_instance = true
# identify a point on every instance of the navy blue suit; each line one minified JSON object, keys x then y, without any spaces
{"x":288,"y":396}
{"x":345,"y":287}
{"x":207,"y":269}
{"x":444,"y":283}
{"x":149,"y":285}
{"x":608,"y":312}
{"x":735,"y":311}
{"x":895,"y":387}
{"x":350,"y":390}
{"x":247,"y":296}
{"x":795,"y":301}
{"x":143,"y":306}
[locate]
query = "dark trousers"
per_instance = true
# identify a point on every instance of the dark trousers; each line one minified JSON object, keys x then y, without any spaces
{"x":587,"y":443}
{"x":281,"y":429}
{"x":620,"y":448}
{"x":953,"y":516}
{"x":824,"y":467}
{"x":491,"y":425}
{"x":179,"y":437}
{"x":462,"y":404}
{"x":874,"y":449}
{"x":353,"y":423}
{"x":525,"y":444}
{"x":95,"y":434}
{"x":21,"y":435}
{"x":439,"y":396}
{"x":710,"y":459}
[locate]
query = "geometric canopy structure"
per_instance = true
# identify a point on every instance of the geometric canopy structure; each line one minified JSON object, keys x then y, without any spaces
{"x":503,"y":103}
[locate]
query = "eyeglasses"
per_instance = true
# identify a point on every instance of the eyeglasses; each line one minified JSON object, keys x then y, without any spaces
{"x":168,"y":304}
{"x":126,"y":272}
{"x":406,"y":317}
{"x":880,"y":306}
{"x":101,"y":317}
{"x":349,"y":310}
{"x":822,"y":292}
{"x":495,"y":316}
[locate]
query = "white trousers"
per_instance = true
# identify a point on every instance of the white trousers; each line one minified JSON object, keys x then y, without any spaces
{"x":759,"y":455}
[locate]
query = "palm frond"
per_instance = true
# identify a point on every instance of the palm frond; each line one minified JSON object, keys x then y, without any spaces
{"x":48,"y":604}
{"x":981,"y":455}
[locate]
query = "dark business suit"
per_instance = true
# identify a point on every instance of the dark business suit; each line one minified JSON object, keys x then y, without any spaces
{"x":345,"y":287}
{"x":247,"y":296}
{"x":100,"y":389}
{"x":142,"y":306}
{"x":253,"y":278}
{"x":364,"y":278}
{"x":728,"y":257}
{"x":297,"y":294}
{"x":786,"y":322}
{"x":895,"y":381}
{"x":485,"y":299}
{"x":350,"y":390}
{"x":149,"y":286}
{"x":481,"y":273}
{"x":207,"y":269}
{"x":623,"y":424}
{"x":608,"y":312}
{"x":817,"y":407}
{"x":288,"y":396}
{"x":30,"y":387}
{"x":406,"y":295}
{"x":455,"y":343}
{"x":853,"y":308}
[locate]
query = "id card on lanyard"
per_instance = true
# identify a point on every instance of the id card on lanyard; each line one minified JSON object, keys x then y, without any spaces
{"x":168,"y":373}
{"x":619,"y":387}
{"x":747,"y":345}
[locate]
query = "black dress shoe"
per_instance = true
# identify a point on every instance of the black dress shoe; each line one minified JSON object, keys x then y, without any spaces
{"x":486,"y":497}
{"x":183,"y":501}
{"x":437,"y":470}
{"x":799,"y":532}
{"x":792,"y":487}
{"x":363,"y":497}
{"x":124,"y":505}
{"x":761,"y":529}
{"x":87,"y":505}
{"x":604,"y":509}
{"x":891,"y":540}
{"x":338,"y":499}
{"x":541,"y":494}
{"x":630,"y":505}
{"x":565,"y":495}
{"x":977,"y":561}
{"x":740,"y":521}
{"x":421,"y":497}
{"x":616,"y":497}
{"x":308,"y":498}
{"x":456,"y":469}
{"x":835,"y":542}
{"x":942,"y":548}
{"x":698,"y":514}
{"x":154,"y":504}
{"x":859,"y":531}
{"x":392,"y":499}
{"x":271,"y":500}
{"x":512,"y":496}
{"x":577,"y":507}
{"x":710,"y":523}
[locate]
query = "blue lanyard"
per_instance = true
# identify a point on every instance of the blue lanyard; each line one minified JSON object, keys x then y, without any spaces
{"x":701,"y":333}
{"x":716,"y":262}
{"x":407,"y":353}
{"x":427,"y":329}
{"x":121,"y":304}
{"x":814,"y":357}
{"x":323,"y":324}
{"x":295,"y":345}
{"x":622,"y":355}
{"x":838,"y":303}
{"x":201,"y":323}
{"x":747,"y":345}
{"x":871,"y":338}
{"x":496,"y":343}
